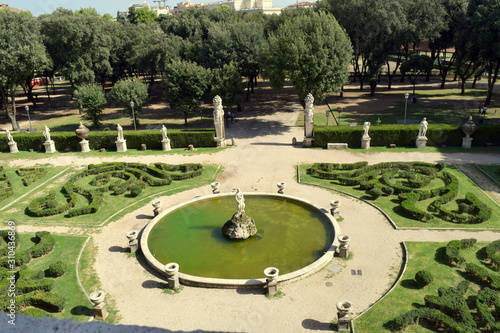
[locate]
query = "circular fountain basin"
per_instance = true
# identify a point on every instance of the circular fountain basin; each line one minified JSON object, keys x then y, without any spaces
{"x":293,"y":235}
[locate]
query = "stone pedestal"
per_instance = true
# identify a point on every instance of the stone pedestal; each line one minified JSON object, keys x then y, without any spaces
{"x":334,"y":210}
{"x":100,"y":312}
{"x":49,"y":146}
{"x":165,"y":144}
{"x":132,"y":240}
{"x":365,"y":142}
{"x":97,"y":298}
{"x":308,"y":132}
{"x":467,"y":142}
{"x":13,"y":147}
{"x":221,"y":142}
{"x":271,"y":274}
{"x":215,"y":187}
{"x":343,"y":316}
{"x":281,"y":187}
{"x":172,"y":270}
{"x":421,"y":142}
{"x":121,"y":146}
{"x":343,"y":249}
{"x":84,"y":145}
{"x":156,"y":208}
{"x":307,"y":142}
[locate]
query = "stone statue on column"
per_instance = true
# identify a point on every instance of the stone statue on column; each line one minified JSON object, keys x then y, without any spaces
{"x":308,"y":120}
{"x":365,"y":139}
{"x":165,"y":141}
{"x":421,"y":141}
{"x":49,"y":143}
{"x":220,"y":131}
{"x":121,"y":143}
{"x":11,"y":143}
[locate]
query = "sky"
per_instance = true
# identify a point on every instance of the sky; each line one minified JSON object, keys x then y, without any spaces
{"x":38,"y":7}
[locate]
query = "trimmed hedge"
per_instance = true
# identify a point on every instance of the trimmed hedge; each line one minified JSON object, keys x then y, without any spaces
{"x":423,"y":278}
{"x":31,"y":175}
{"x":58,"y":268}
{"x":180,"y":138}
{"x":42,"y":299}
{"x":404,"y":135}
{"x":6,"y":189}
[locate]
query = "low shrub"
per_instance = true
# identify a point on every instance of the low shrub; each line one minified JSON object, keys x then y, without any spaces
{"x":58,"y":268}
{"x":423,"y":278}
{"x":375,"y":192}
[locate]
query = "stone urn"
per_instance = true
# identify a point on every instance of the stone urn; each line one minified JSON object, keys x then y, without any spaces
{"x":97,"y":297}
{"x":334,"y":204}
{"x":281,"y":187}
{"x":132,"y":235}
{"x":156,"y":204}
{"x":82,"y":132}
{"x":344,"y":307}
{"x":271,"y":273}
{"x":215,"y":187}
{"x":469,"y":127}
{"x":343,"y":239}
{"x":172,"y":268}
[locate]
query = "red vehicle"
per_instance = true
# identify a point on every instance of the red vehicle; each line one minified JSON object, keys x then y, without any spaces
{"x":40,"y":81}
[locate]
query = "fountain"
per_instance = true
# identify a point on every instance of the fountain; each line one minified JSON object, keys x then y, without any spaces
{"x":240,"y":226}
{"x":293,"y":234}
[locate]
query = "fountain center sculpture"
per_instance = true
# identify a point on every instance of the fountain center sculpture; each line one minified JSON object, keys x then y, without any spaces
{"x":240,"y":226}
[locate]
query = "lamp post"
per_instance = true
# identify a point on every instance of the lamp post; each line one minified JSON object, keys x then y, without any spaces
{"x":327,"y":116}
{"x":406,"y":105}
{"x":133,"y":113}
{"x":339,"y":109}
{"x":28,"y":111}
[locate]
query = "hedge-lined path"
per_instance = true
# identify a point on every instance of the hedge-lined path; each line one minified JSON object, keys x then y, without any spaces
{"x":263,"y":156}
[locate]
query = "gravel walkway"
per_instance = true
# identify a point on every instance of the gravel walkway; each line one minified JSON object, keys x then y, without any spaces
{"x":264,"y":156}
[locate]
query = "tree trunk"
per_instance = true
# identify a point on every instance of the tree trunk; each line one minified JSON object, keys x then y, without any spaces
{"x":373,"y":86}
{"x":462,"y":87}
{"x":492,"y":79}
{"x":185,"y":118}
{"x":12,"y":114}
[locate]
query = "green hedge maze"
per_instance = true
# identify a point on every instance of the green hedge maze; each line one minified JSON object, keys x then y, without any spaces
{"x":412,"y":183}
{"x":472,"y":306}
{"x":86,"y":191}
{"x":32,"y":292}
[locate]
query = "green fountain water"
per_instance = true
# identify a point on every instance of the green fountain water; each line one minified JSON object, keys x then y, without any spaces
{"x":291,"y":235}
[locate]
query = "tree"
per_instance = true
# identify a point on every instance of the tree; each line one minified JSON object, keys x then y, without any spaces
{"x":131,"y":90}
{"x":141,"y":15}
{"x":375,"y":28}
{"x":22,"y":54}
{"x":185,"y":83}
{"x":79,"y":45}
{"x":227,"y":84}
{"x":415,"y":66}
{"x":311,"y":50}
{"x":91,"y":98}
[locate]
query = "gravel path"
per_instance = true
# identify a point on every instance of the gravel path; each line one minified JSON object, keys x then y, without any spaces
{"x":263,"y":156}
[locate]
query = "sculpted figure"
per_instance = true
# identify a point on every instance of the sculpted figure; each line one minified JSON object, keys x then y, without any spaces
{"x":120,"y":133}
{"x":309,"y":110}
{"x":218,"y":111}
{"x":164,"y":132}
{"x":241,"y":202}
{"x":366,"y":127}
{"x":423,"y":128}
{"x":46,"y":133}
{"x":9,"y":136}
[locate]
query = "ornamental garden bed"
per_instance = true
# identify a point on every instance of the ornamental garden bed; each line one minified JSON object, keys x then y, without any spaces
{"x":94,"y":195}
{"x":413,"y":194}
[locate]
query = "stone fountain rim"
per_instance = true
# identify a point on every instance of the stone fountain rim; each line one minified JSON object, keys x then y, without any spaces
{"x":200,"y":281}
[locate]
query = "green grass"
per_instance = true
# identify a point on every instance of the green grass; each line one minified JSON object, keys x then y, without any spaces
{"x":492,"y":170}
{"x":390,"y":204}
{"x":67,"y":248}
{"x":95,"y":153}
{"x":407,"y":296}
{"x":113,"y":204}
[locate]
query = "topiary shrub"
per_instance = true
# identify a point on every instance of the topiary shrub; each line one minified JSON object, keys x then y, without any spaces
{"x":423,"y":278}
{"x":375,"y":192}
{"x":58,"y":268}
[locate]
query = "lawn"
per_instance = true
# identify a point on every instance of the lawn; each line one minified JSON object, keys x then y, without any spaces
{"x":407,"y":295}
{"x":491,"y":170}
{"x":115,"y":206}
{"x":390,"y":204}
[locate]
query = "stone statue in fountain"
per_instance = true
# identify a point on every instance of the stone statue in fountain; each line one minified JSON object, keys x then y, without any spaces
{"x":240,"y":226}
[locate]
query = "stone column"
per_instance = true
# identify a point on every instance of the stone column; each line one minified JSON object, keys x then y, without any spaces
{"x":271,"y":274}
{"x":343,"y":316}
{"x":172,"y":270}
{"x":97,"y":298}
{"x":165,"y":144}
{"x":121,"y":146}
{"x":84,"y":145}
{"x":13,"y":147}
{"x":343,"y":250}
{"x":218,"y":114}
{"x":308,"y":120}
{"x":132,"y":240}
{"x":421,"y":142}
